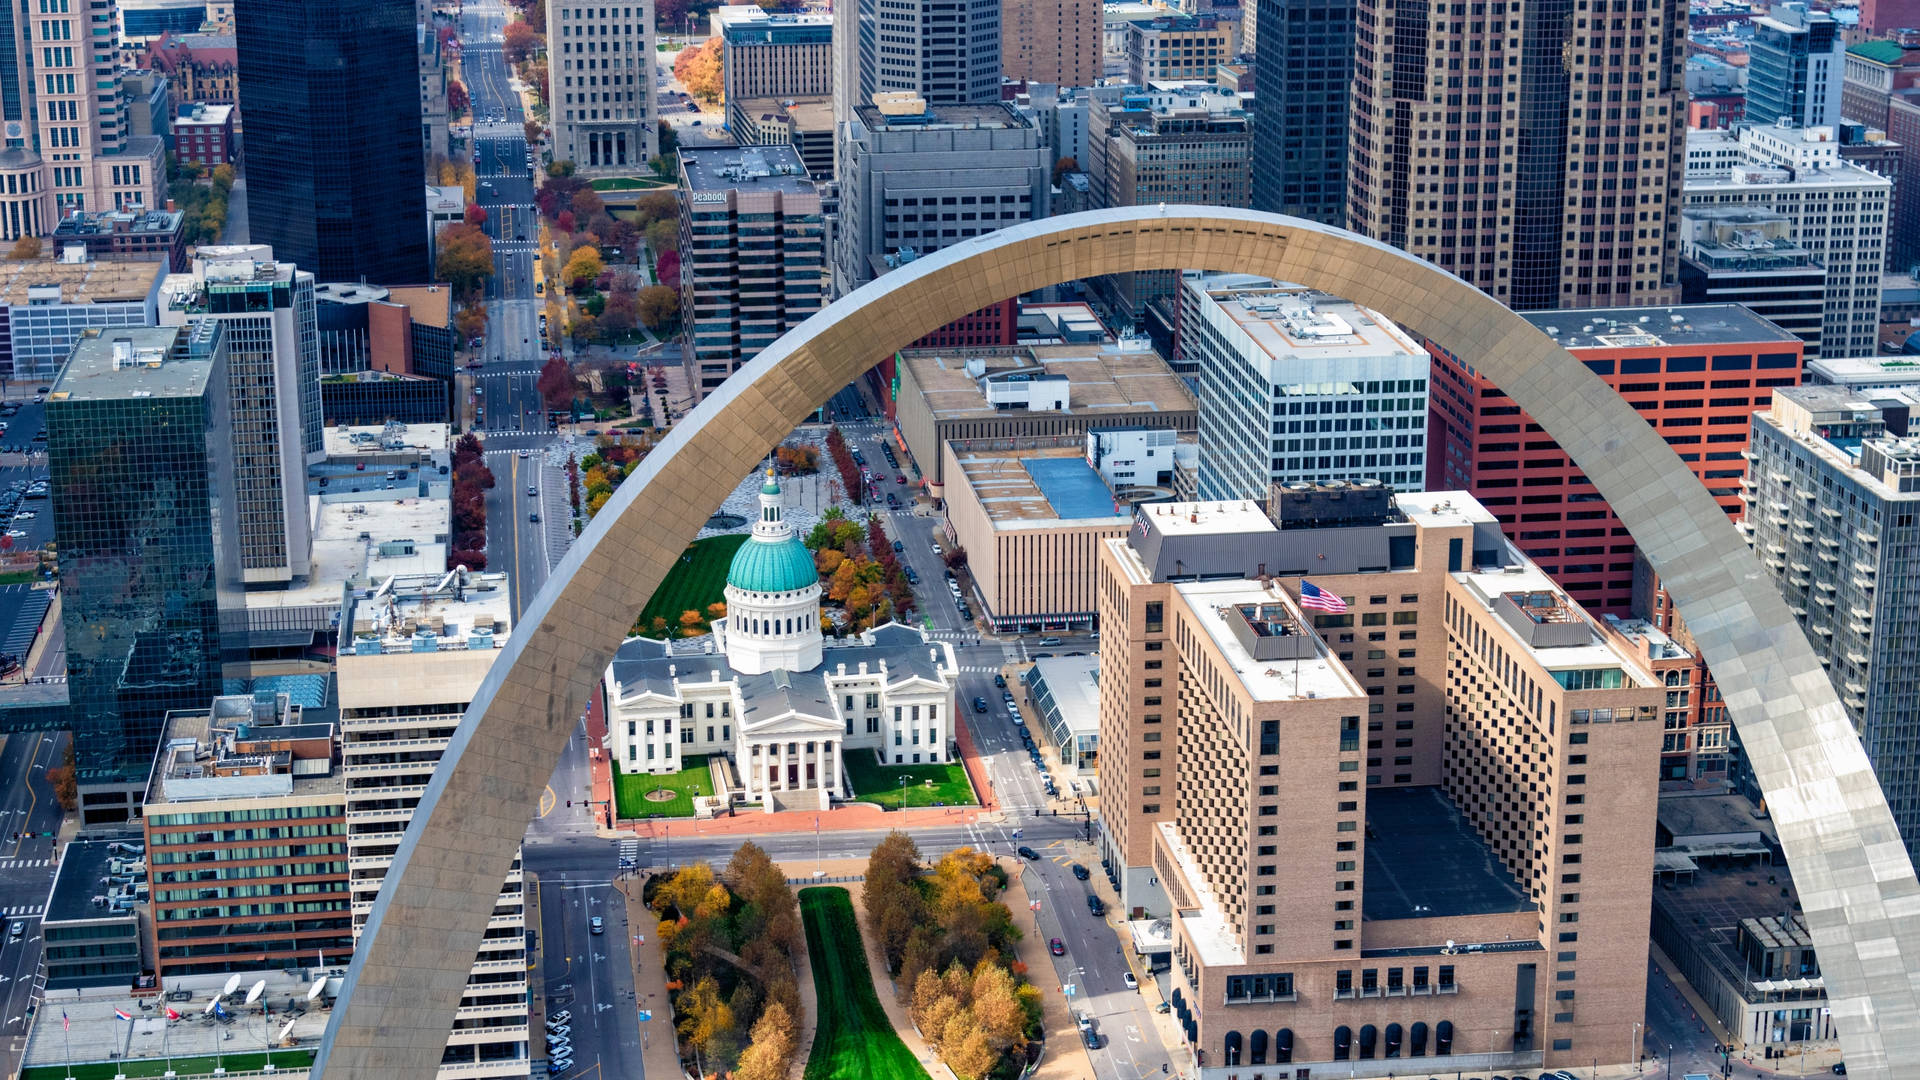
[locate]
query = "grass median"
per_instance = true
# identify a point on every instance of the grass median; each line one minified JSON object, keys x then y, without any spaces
{"x":854,"y":1041}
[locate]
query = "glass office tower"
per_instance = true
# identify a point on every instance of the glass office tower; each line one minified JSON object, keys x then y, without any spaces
{"x":140,"y":453}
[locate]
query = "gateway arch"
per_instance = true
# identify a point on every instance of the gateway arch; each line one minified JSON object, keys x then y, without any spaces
{"x":1857,"y":886}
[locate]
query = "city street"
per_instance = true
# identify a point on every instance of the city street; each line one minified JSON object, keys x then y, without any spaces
{"x":27,"y":810}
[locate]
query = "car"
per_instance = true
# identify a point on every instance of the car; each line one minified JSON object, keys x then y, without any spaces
{"x":900,"y":479}
{"x":597,"y":925}
{"x":1163,"y":1008}
{"x":555,"y":1042}
{"x":937,"y":551}
{"x":526,"y":453}
{"x":559,"y":1065}
{"x":1095,"y":905}
{"x":44,"y":390}
{"x":696,"y":123}
{"x":555,"y":1027}
{"x":1839,"y":1068}
{"x":560,"y":1017}
{"x":1048,"y":641}
{"x":1000,"y":680}
{"x":18,"y":930}
{"x":979,"y":704}
{"x":1079,"y":871}
{"x":532,"y":491}
{"x":913,"y":576}
{"x":1129,"y":981}
{"x":1018,"y":720}
{"x":898,"y":546}
{"x":1027,"y":852}
{"x":534,"y":518}
{"x":1091,"y":1037}
{"x":1057,"y":947}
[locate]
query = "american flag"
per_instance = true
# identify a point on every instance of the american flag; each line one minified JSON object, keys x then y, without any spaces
{"x":65,"y":1024}
{"x":1315,"y":598}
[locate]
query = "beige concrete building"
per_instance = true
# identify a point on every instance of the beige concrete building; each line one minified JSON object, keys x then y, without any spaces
{"x":1179,"y":47}
{"x":603,"y":102}
{"x":1051,"y":41}
{"x":414,"y":650}
{"x":1030,"y":392}
{"x":1031,"y":522}
{"x":1411,"y":828}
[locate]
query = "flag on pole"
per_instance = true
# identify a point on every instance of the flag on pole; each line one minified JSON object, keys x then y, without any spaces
{"x":65,"y":1024}
{"x":123,"y":1014}
{"x":172,"y":1015}
{"x":1315,"y":598}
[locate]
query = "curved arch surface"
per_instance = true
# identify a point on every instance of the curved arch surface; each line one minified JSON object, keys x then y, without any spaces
{"x":1857,"y":886}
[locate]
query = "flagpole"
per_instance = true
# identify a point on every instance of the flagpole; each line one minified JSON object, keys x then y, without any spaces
{"x":66,"y":1037}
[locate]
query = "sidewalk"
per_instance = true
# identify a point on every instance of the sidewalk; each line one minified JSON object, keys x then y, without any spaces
{"x":1065,"y":1056}
{"x":658,"y":1056}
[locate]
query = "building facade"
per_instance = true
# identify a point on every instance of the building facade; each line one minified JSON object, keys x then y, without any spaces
{"x":1442,"y":171}
{"x":413,"y":652}
{"x":753,"y":256}
{"x":127,"y":236}
{"x":203,"y":134}
{"x":766,"y":55}
{"x":1796,"y":67}
{"x":604,"y":107}
{"x":46,"y":305}
{"x":946,"y":51}
{"x":1443,"y":902}
{"x":1296,"y":385}
{"x":1305,"y":64}
{"x":1830,"y":512}
{"x":1051,"y":41}
{"x":1838,"y":210}
{"x":339,"y":198}
{"x":1695,"y":373}
{"x":144,"y":497}
{"x":1178,"y":48}
{"x":268,"y":317}
{"x":789,"y":709}
{"x":919,"y":177}
{"x":245,"y":811}
{"x":1737,"y":255}
{"x":87,"y":943}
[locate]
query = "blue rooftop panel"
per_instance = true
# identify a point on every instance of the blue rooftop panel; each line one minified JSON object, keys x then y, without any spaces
{"x":1072,"y":488}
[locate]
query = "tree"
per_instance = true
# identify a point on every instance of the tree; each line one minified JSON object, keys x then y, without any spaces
{"x":583,"y":267}
{"x":533,"y":131}
{"x":669,"y":138}
{"x":466,"y":256}
{"x":536,"y":16}
{"x":769,"y":1056}
{"x":518,"y":42}
{"x":657,"y":206}
{"x":699,"y":70}
{"x":664,"y":236}
{"x":66,"y":788}
{"x":705,"y":1016}
{"x":622,"y":312}
{"x":1064,"y":166}
{"x":470,"y":322}
{"x":556,"y":385}
{"x":667,"y":267}
{"x":658,"y":306}
{"x":476,"y":214}
{"x":457,"y":101}
{"x":587,"y":203}
{"x":27,"y":247}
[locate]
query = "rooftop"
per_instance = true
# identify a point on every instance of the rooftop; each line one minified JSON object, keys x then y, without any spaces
{"x":200,"y":112}
{"x":242,"y":748}
{"x":803,"y":113}
{"x":1881,"y":52}
{"x":1426,"y":861}
{"x":899,"y":114}
{"x":745,"y":168}
{"x":1071,"y":704}
{"x":1439,"y":509}
{"x":88,"y":282}
{"x":1290,"y":322}
{"x":1123,"y":377}
{"x":1542,"y":622}
{"x":1654,"y":327}
{"x":1212,"y":934}
{"x":119,"y":222}
{"x":1036,"y":486}
{"x":137,"y":362}
{"x":429,"y":305}
{"x":1702,"y":824}
{"x":350,"y":442}
{"x":84,"y":864}
{"x":421,"y":638}
{"x":1866,"y":371}
{"x":1316,"y":675}
{"x":90,"y":1022}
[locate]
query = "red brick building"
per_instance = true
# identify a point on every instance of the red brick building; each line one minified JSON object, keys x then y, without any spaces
{"x":204,"y":133}
{"x":1696,"y":373}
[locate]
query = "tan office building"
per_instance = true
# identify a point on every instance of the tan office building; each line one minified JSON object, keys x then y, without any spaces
{"x":1409,"y":835}
{"x":1051,"y":41}
{"x":1026,"y":392}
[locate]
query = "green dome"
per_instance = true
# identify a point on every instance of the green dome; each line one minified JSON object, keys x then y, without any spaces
{"x":772,"y":566}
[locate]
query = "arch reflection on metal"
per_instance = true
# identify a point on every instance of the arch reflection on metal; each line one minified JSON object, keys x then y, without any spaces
{"x":1856,"y":884}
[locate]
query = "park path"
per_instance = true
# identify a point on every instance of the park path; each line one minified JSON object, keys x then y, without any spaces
{"x":658,"y":1057}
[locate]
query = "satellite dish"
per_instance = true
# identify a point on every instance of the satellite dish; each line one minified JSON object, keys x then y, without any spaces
{"x":211,"y":1002}
{"x":259,"y":988}
{"x":319,"y":987}
{"x":284,"y":1032}
{"x":233,"y":983}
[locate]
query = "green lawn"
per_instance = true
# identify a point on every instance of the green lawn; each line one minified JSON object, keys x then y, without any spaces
{"x":698,"y":579}
{"x":184,"y":1066}
{"x":630,"y":791}
{"x":854,"y":1040}
{"x":876,"y":783}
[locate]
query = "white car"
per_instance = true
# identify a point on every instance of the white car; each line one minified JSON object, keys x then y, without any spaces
{"x":1131,"y":982}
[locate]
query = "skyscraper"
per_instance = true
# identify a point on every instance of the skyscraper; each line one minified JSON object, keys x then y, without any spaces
{"x":273,"y":366}
{"x":1536,"y":158}
{"x":603,"y":116}
{"x":947,"y":51}
{"x":141,"y":458}
{"x":331,"y":96}
{"x":1304,"y":57}
{"x":1796,"y":67}
{"x":1051,"y":41}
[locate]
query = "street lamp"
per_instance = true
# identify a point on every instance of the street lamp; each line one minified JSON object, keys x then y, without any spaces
{"x":903,"y":792}
{"x":1638,"y":1056}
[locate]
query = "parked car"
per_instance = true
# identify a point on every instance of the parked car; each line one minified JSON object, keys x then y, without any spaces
{"x":1057,"y":947}
{"x":1091,"y":1037}
{"x":1129,"y":981}
{"x":1095,"y":905}
{"x":1000,"y":680}
{"x":1027,"y":852}
{"x":560,"y":1017}
{"x":898,"y":546}
{"x":1080,"y":871}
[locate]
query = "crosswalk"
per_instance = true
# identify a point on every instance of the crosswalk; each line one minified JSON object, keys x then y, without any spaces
{"x":23,"y":909}
{"x":980,"y":669}
{"x":23,"y":864}
{"x":629,"y":854}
